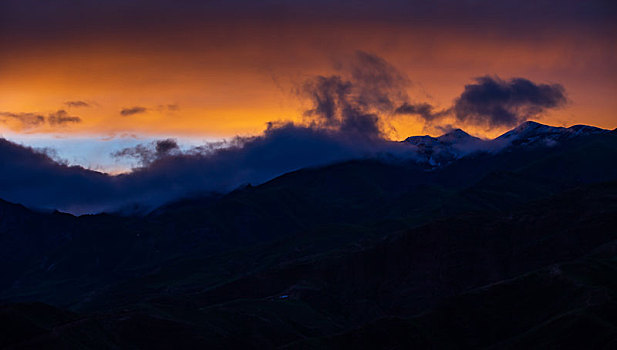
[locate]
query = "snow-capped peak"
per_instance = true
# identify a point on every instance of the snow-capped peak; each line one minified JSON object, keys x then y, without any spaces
{"x":456,"y":136}
{"x":529,"y":129}
{"x":531,"y":132}
{"x":438,"y":151}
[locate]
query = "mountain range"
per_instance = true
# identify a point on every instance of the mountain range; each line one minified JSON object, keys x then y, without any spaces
{"x":471,"y":243}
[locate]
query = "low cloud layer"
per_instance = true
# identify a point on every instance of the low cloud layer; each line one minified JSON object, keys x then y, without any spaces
{"x":147,"y":154}
{"x":33,"y":178}
{"x":348,"y":114}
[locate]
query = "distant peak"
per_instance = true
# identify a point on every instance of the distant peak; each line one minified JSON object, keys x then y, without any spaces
{"x":533,"y":132}
{"x":529,"y":128}
{"x":451,"y":137}
{"x":577,"y":129}
{"x":585,"y":129}
{"x":416,"y":139}
{"x":456,"y":136}
{"x":457,"y":133}
{"x":531,"y":125}
{"x":531,"y":122}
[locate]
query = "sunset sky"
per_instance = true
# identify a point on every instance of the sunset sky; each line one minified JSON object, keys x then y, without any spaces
{"x":88,"y":78}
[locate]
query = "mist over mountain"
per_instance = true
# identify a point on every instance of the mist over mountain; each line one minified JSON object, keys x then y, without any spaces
{"x":384,"y":249}
{"x":308,"y":174}
{"x":34,"y":179}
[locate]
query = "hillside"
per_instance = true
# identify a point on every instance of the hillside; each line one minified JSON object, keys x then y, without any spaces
{"x":365,"y":253}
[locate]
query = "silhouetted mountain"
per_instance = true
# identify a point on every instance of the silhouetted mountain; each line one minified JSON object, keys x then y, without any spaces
{"x":508,"y":245}
{"x":530,"y":133}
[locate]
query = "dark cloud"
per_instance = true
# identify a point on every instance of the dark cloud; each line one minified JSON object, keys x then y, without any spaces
{"x":164,"y":147}
{"x":36,"y":180}
{"x":424,"y":110}
{"x":344,"y":122}
{"x":353,"y":101}
{"x":77,"y":104}
{"x":33,"y":178}
{"x":142,"y":153}
{"x":368,"y":88}
{"x":32,"y":19}
{"x":27,"y":120}
{"x":378,"y":84}
{"x":33,"y":120}
{"x":61,"y":117}
{"x":133,"y":110}
{"x":147,"y":154}
{"x":494,"y":102}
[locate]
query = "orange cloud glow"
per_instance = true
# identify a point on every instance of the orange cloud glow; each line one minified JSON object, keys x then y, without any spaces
{"x":226,"y":80}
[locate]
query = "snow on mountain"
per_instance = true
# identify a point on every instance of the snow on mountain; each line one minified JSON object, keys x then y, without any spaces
{"x":439,"y":151}
{"x":536,"y":134}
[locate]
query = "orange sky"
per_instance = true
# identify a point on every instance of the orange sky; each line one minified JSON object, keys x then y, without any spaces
{"x":225,"y":79}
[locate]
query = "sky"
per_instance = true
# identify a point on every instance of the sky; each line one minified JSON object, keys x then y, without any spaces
{"x":90,"y":82}
{"x":217,"y":69}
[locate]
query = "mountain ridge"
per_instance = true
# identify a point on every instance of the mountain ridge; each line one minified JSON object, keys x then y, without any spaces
{"x":327,"y":255}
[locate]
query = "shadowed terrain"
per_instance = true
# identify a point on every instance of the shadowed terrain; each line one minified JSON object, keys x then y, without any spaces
{"x":512,"y":248}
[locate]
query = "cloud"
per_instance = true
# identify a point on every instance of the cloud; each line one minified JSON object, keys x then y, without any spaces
{"x":506,"y":17}
{"x":345,"y":121}
{"x":425,"y":110}
{"x":33,"y":120}
{"x":140,"y":109}
{"x":494,"y":102}
{"x":133,"y":110}
{"x":164,"y":147}
{"x":146,"y":154}
{"x":26,"y":120}
{"x":172,"y":107}
{"x":33,"y":178}
{"x":61,"y":117}
{"x":368,"y":88}
{"x":77,"y":104}
{"x":353,"y":101}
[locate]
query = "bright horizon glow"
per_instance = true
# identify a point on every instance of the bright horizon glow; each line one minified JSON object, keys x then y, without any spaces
{"x":95,"y":152}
